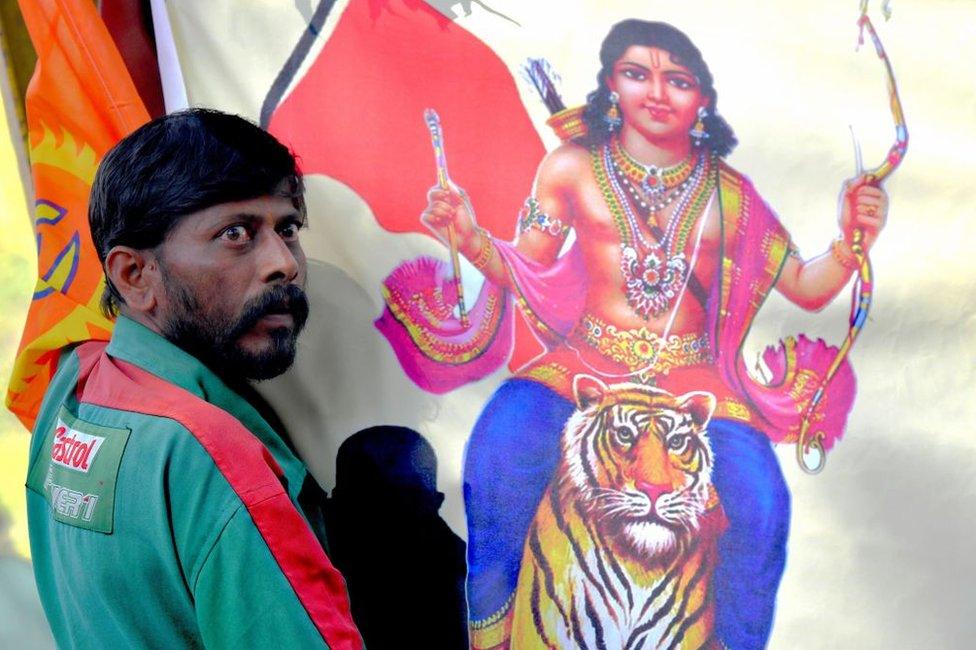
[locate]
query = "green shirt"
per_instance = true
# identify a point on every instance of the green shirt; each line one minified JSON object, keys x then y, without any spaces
{"x":163,"y":510}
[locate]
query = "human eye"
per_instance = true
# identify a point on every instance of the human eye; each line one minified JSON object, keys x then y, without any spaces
{"x":289,"y":230}
{"x":681,"y":82}
{"x":236,"y":233}
{"x":635,"y":74}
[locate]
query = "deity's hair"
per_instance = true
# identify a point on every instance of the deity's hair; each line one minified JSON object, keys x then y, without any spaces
{"x":623,"y":35}
{"x":179,"y":164}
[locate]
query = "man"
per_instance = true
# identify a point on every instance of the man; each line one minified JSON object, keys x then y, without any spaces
{"x":164,"y":510}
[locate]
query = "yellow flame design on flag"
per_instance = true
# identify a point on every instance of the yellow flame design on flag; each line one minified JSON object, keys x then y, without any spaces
{"x":65,"y":153}
{"x":73,"y":317}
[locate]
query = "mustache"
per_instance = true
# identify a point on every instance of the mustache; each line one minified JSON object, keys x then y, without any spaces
{"x":282,"y":299}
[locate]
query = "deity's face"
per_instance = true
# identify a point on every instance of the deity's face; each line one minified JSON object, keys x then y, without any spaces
{"x":659,"y":98}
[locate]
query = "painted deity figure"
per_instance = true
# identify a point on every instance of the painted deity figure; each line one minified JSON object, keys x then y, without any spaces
{"x":674,"y":254}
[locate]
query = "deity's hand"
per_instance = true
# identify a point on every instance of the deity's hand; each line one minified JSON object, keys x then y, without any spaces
{"x":446,"y":207}
{"x":862,"y":206}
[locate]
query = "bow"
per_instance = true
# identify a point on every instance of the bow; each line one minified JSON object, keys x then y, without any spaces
{"x":864,"y":281}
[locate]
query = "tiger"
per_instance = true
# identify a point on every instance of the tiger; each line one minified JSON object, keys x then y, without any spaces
{"x":622,"y":547}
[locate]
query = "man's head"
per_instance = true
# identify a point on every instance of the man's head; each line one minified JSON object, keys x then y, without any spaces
{"x":195,"y":217}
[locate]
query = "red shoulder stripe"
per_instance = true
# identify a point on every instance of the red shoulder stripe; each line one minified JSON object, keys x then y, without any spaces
{"x":252,"y":473}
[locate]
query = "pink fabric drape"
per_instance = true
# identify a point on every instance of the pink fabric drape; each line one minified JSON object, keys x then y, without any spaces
{"x":439,"y":355}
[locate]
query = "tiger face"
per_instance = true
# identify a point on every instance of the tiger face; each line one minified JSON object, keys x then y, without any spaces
{"x":638,"y":464}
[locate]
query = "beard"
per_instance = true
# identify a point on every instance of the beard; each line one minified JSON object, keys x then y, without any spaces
{"x":213,"y":337}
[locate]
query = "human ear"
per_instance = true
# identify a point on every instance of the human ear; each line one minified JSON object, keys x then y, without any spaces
{"x":135,"y":275}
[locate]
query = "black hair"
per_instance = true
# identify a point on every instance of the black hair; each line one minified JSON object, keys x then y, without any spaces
{"x":623,"y":35}
{"x":179,"y":164}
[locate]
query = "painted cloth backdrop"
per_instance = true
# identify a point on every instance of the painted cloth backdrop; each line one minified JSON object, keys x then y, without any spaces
{"x":349,"y":93}
{"x":345,"y":84}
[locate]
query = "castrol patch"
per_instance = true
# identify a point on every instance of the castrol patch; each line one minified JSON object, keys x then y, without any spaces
{"x":74,"y":449}
{"x":77,"y":471}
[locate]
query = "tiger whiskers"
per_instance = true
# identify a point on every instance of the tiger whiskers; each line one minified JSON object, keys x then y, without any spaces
{"x":616,"y":504}
{"x":676,"y":508}
{"x":683,"y":508}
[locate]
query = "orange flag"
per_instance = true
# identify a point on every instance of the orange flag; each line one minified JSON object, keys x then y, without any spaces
{"x":80,"y":102}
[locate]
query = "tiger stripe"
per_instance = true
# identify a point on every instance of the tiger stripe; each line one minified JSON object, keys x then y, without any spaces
{"x":618,"y":571}
{"x":672,"y":573}
{"x":688,"y":591}
{"x":594,"y":619}
{"x":542,"y":564}
{"x":576,"y":627}
{"x":577,"y":550}
{"x":587,"y":467}
{"x":658,"y":616}
{"x":688,"y":622}
{"x":536,"y":609}
{"x":600,"y":552}
{"x":607,"y":456}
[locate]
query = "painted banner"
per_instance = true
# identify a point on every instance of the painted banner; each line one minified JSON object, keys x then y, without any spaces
{"x":79,"y":103}
{"x":564,"y":375}
{"x":605,"y":299}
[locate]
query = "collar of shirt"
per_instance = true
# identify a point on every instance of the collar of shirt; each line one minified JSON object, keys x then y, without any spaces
{"x":139,"y":345}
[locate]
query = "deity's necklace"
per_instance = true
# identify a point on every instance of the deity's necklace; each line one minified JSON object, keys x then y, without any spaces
{"x":659,"y":186}
{"x":651,"y":281}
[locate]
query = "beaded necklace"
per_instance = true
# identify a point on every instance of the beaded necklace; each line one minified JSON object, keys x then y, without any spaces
{"x":660,"y":185}
{"x":618,"y":182}
{"x":654,"y":272}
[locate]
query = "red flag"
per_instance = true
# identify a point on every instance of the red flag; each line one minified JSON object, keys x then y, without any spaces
{"x":357,"y":116}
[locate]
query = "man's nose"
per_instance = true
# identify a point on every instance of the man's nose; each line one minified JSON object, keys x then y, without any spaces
{"x":278,"y":262}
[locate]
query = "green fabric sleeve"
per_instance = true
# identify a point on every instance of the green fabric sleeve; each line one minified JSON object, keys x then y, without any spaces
{"x":243,"y":599}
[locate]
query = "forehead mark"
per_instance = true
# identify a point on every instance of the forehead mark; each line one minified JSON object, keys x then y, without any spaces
{"x":654,"y":58}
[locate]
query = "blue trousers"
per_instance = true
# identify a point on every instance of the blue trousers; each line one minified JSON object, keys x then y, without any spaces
{"x":513,"y":453}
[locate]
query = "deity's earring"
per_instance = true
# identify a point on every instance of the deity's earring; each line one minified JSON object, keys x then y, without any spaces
{"x":698,"y":133}
{"x":612,"y":118}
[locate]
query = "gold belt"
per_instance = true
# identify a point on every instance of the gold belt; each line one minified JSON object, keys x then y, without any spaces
{"x":642,"y":349}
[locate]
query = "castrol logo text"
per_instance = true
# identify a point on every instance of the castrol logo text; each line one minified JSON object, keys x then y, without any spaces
{"x":74,"y":449}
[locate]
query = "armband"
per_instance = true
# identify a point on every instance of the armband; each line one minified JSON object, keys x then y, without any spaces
{"x":532,"y":217}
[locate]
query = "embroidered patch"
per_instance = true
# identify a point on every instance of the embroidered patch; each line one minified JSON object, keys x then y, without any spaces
{"x":76,"y":472}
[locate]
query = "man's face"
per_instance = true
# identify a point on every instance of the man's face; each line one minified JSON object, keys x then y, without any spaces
{"x":233,"y":277}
